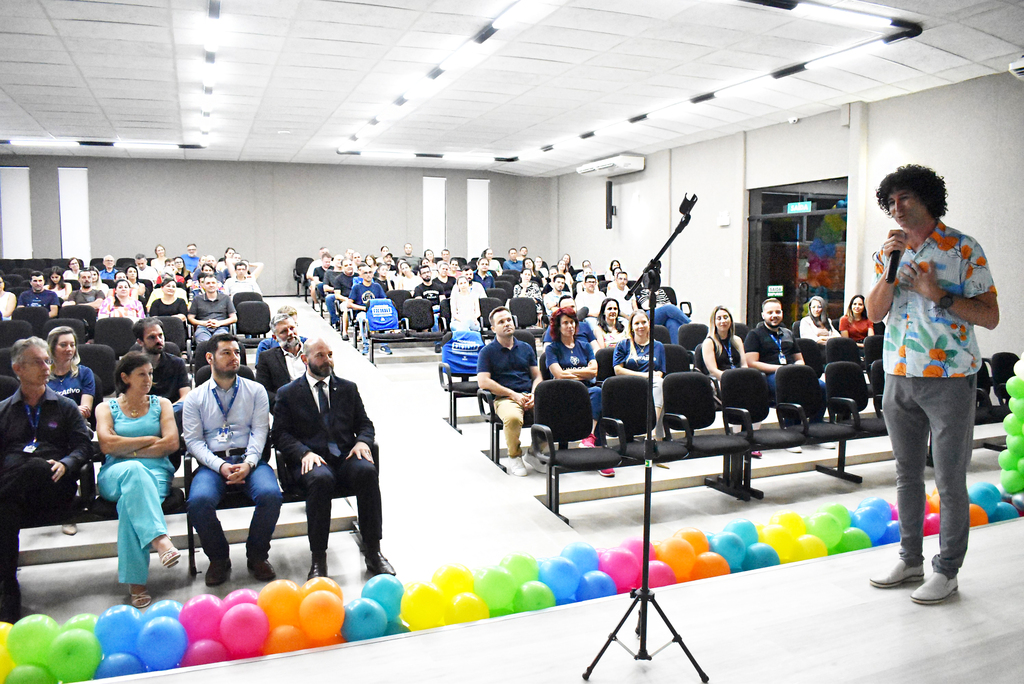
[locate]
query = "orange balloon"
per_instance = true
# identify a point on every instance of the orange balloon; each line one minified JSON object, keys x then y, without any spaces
{"x":709,"y":564}
{"x":934,"y":504}
{"x":321,"y":614}
{"x":330,"y":641}
{"x":321,"y":584}
{"x":678,"y":554}
{"x":285,"y":639}
{"x":280,"y":601}
{"x":978,"y":516}
{"x":696,"y":538}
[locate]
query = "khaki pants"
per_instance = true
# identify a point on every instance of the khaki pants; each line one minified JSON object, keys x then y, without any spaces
{"x":511,"y":415}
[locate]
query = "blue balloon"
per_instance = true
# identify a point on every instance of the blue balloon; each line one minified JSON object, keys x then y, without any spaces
{"x":364,"y":619}
{"x":595,"y":584}
{"x":891,"y":535}
{"x":879,"y":504}
{"x":760,"y":555}
{"x":117,"y":629}
{"x":395,"y":627}
{"x":119,"y":665}
{"x":744,"y":529}
{"x":165,"y":608}
{"x":387,"y":591}
{"x":583,"y":555}
{"x":1003,"y":511}
{"x":730,"y":546}
{"x":871,"y":521}
{"x":565,"y":601}
{"x":161,"y":644}
{"x":561,"y":575}
{"x":986,"y":495}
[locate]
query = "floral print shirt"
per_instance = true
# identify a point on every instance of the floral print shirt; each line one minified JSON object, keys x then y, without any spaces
{"x":923,"y":340}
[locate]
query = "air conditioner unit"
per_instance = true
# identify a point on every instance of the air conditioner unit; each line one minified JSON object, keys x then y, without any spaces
{"x":612,"y":166}
{"x":1017,"y":68}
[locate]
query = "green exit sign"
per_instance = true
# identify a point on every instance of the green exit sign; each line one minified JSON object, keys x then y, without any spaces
{"x":775,"y":290}
{"x":798,"y":207}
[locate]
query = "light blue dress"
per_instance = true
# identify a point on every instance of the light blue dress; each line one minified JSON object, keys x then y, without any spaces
{"x":138,"y":486}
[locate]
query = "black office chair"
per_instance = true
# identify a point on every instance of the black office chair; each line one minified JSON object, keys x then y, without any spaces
{"x":872,"y":349}
{"x":848,"y":395}
{"x":811,"y":351}
{"x":299,"y":275}
{"x":12,"y":331}
{"x":498,"y":293}
{"x":419,"y":319}
{"x":691,"y":334}
{"x":116,"y":333}
{"x":661,"y":334}
{"x":842,"y":349}
{"x":8,"y":386}
{"x":457,"y":386}
{"x":100,"y":359}
{"x":524,"y":310}
{"x":605,"y":367}
{"x":84,"y":313}
{"x":36,"y":316}
{"x":75,"y":324}
{"x":624,"y":415}
{"x":487,"y":305}
{"x":253,"y":321}
{"x":240,"y":297}
{"x":174,"y":331}
{"x":678,"y":359}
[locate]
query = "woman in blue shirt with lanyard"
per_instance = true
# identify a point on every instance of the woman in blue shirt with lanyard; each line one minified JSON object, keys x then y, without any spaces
{"x":137,"y":432}
{"x":67,"y":377}
{"x":632,"y":356}
{"x":572,"y":358}
{"x":722,"y":350}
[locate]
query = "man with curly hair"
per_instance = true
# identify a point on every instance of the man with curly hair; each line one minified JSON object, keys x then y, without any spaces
{"x":942,"y":290}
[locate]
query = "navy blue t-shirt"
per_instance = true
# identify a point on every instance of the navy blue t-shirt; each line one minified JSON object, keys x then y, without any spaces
{"x":46,"y":298}
{"x":579,"y":356}
{"x":487,"y":281}
{"x":74,"y":386}
{"x":361,"y":294}
{"x":509,"y":367}
{"x":638,"y":362}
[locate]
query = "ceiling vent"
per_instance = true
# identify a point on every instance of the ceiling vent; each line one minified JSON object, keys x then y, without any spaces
{"x":1017,"y":68}
{"x":612,"y":166}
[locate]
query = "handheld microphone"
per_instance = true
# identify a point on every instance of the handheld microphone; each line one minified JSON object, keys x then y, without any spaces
{"x":894,"y":266}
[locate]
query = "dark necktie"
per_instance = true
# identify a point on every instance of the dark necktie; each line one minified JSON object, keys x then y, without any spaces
{"x":321,"y":396}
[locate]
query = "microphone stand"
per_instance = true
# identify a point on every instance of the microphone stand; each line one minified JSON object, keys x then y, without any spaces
{"x":651,"y":279}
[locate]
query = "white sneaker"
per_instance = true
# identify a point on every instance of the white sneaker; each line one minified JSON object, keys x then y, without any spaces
{"x":534,"y":462}
{"x":795,"y":450}
{"x":828,"y":445}
{"x":936,"y":589}
{"x":517,"y":467}
{"x":899,"y":574}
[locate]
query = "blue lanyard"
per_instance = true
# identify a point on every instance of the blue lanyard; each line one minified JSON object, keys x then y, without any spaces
{"x":234,"y":395}
{"x":33,"y":419}
{"x":778,"y":343}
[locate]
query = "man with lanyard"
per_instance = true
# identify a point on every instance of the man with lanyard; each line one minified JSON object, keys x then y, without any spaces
{"x":226,"y":421}
{"x":770,"y":346}
{"x":363,"y":290}
{"x":943,"y":289}
{"x":170,"y":377}
{"x":44,"y":442}
{"x":508,"y":369}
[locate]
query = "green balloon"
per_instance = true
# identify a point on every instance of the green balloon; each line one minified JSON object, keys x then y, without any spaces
{"x":523,"y":567}
{"x":30,"y":674}
{"x":854,"y":539}
{"x":1017,"y":407}
{"x":75,"y":655}
{"x":1008,"y":460}
{"x":1012,"y":424}
{"x":1015,"y":445}
{"x":1015,"y":385}
{"x":86,"y":621}
{"x":1012,"y":481}
{"x":30,"y":638}
{"x":496,"y":586}
{"x":839,"y":512}
{"x":533,"y":596}
{"x":825,"y":527}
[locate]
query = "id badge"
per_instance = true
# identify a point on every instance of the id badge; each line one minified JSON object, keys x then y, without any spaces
{"x":782,"y":359}
{"x":223,"y":435}
{"x":30,"y":448}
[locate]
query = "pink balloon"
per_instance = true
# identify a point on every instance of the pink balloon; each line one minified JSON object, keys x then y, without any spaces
{"x":622,"y":566}
{"x":895,"y":511}
{"x":239,"y":596}
{"x":931,"y":524}
{"x":204,"y":652}
{"x":243,"y":629}
{"x":201,"y":616}
{"x":635,"y":545}
{"x":659,"y":574}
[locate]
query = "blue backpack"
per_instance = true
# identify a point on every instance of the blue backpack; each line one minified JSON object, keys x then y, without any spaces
{"x":381,"y":315}
{"x":461,"y":352}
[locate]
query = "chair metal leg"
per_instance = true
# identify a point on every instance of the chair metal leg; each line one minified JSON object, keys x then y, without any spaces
{"x":192,"y":570}
{"x":840,"y":469}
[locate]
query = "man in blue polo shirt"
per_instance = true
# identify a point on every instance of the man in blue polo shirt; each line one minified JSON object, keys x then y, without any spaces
{"x":507,"y":368}
{"x":363,"y":290}
{"x":39,"y":295}
{"x":481,"y":276}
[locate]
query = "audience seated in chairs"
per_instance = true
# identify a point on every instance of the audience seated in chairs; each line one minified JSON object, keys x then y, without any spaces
{"x":609,"y":329}
{"x":665,"y":312}
{"x":465,"y":307}
{"x":39,"y":296}
{"x":816,"y":325}
{"x":122,"y":303}
{"x":855,"y":324}
{"x":7,"y":301}
{"x":241,"y":281}
{"x":279,"y":365}
{"x":68,"y":378}
{"x":211,"y":312}
{"x":169,"y":300}
{"x":55,"y":283}
{"x":633,"y":357}
{"x":89,"y":292}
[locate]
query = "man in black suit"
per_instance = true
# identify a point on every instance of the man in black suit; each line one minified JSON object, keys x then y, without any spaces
{"x":324,"y":435}
{"x":280,"y":365}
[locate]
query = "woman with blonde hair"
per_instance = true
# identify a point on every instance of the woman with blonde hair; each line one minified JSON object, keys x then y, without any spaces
{"x":633,"y":355}
{"x":722,"y":350}
{"x":67,"y":377}
{"x":815,"y":325}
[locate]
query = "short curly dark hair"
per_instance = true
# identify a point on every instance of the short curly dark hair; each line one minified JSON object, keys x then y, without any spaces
{"x":920,"y":180}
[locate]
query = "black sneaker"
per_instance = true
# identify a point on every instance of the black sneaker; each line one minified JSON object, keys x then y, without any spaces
{"x":344,"y":338}
{"x":10,"y":602}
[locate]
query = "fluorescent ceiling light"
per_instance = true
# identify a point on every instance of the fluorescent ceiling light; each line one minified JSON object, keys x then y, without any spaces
{"x":530,"y":155}
{"x":146,"y":146}
{"x":209,"y":75}
{"x":468,"y":158}
{"x":512,"y":15}
{"x":838,"y":58}
{"x":44,"y":143}
{"x":461,"y":56}
{"x":567,"y":143}
{"x":834,"y":15}
{"x":424,"y":88}
{"x":204,"y":125}
{"x":391,"y":113}
{"x":388,"y":155}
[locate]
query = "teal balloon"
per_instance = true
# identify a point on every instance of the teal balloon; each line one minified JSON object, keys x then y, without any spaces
{"x":744,"y":529}
{"x":30,"y":674}
{"x":29,"y":640}
{"x":74,"y":655}
{"x":522,"y":566}
{"x":729,"y":546}
{"x":387,"y":591}
{"x":1003,"y":511}
{"x":532,"y":596}
{"x":986,"y":495}
{"x":364,"y":619}
{"x":86,"y":621}
{"x":854,"y":539}
{"x":760,"y":555}
{"x":395,"y":627}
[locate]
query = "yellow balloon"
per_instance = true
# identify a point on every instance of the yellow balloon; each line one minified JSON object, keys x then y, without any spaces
{"x":5,"y":627}
{"x":779,"y":538}
{"x":453,"y":580}
{"x":808,"y":546}
{"x":423,"y":606}
{"x":6,"y":664}
{"x":760,"y":532}
{"x":792,"y":521}
{"x":465,"y":607}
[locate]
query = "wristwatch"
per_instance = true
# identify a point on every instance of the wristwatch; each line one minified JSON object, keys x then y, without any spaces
{"x":946,"y":301}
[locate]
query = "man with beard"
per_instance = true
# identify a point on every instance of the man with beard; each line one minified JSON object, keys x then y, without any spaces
{"x":280,"y":365}
{"x":226,"y":422}
{"x":170,"y":378}
{"x":324,"y":435}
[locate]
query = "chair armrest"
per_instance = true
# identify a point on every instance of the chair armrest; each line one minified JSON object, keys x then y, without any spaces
{"x":444,"y":376}
{"x":792,"y":412}
{"x":485,"y":397}
{"x":675,"y":421}
{"x":539,"y":436}
{"x":741,"y":414}
{"x":843,"y":406}
{"x":1001,"y":394}
{"x":87,"y":483}
{"x":619,"y":429}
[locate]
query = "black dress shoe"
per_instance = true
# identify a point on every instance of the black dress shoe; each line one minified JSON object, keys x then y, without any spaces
{"x":218,"y":572}
{"x":261,"y":569}
{"x":10,"y":602}
{"x":377,"y":564}
{"x":318,"y":568}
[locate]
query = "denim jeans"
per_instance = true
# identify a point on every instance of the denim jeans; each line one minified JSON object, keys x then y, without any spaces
{"x":672,"y":317}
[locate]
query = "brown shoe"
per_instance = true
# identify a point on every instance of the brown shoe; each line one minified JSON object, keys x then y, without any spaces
{"x":218,"y":572}
{"x":261,"y":570}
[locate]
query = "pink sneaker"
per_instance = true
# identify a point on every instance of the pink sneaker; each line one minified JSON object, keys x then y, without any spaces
{"x":589,"y":442}
{"x":607,"y":472}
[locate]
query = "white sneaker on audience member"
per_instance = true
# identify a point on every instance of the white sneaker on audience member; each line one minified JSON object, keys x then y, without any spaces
{"x":828,"y":445}
{"x":899,"y":574}
{"x":936,"y":589}
{"x":795,"y":450}
{"x":534,"y":462}
{"x":517,"y":467}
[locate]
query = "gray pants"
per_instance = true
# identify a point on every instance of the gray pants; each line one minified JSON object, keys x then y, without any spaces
{"x":943,"y":407}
